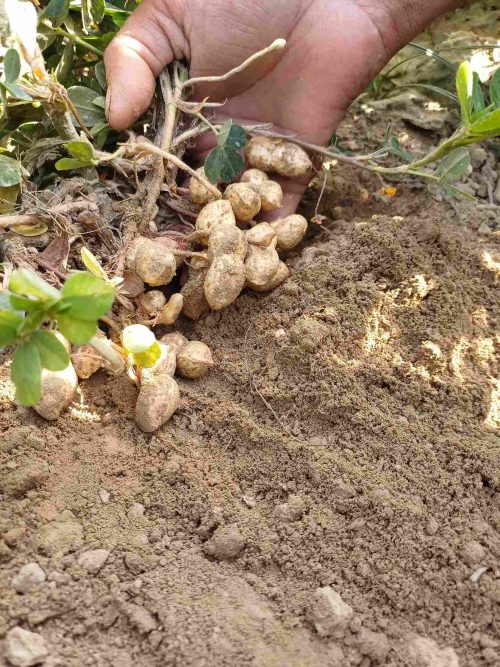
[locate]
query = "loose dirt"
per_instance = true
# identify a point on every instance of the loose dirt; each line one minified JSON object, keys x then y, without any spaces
{"x":346,"y":440}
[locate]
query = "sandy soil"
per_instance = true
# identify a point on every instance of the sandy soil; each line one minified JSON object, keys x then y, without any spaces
{"x":345,"y":444}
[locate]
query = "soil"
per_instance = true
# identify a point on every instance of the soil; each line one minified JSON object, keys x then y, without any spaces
{"x":346,"y":440}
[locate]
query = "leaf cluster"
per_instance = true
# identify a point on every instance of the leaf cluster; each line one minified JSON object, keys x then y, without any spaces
{"x":30,"y":305}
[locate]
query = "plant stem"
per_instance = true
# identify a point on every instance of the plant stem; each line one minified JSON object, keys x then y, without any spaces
{"x":146,"y":148}
{"x":440,"y":151}
{"x":275,"y":46}
{"x":34,"y":218}
{"x":206,"y":122}
{"x":74,"y":38}
{"x":115,"y":361}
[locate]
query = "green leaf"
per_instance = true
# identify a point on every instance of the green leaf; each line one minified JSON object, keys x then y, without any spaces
{"x":53,"y":354}
{"x":66,"y":163}
{"x":23,"y":303}
{"x":27,"y":283}
{"x":25,"y":373}
{"x":456,"y":192}
{"x":100,"y":74}
{"x":223,"y":164}
{"x":495,"y":89}
{"x":223,"y":133}
{"x":83,"y":99}
{"x":17,"y":92}
{"x":77,"y":331}
{"x":32,"y":321}
{"x":27,"y":134}
{"x":396,"y":149}
{"x":92,"y":263}
{"x":57,"y":9}
{"x":148,"y":358}
{"x":9,"y":324}
{"x":92,"y":14}
{"x":237,"y":137}
{"x":10,"y":171}
{"x":477,"y":103}
{"x":454,"y":165}
{"x":81,"y":150}
{"x":11,"y":66}
{"x":100,"y":101}
{"x":489,"y":126}
{"x":89,"y":297}
{"x":465,"y":83}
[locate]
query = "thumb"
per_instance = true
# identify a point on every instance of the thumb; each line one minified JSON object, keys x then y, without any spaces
{"x":148,"y":41}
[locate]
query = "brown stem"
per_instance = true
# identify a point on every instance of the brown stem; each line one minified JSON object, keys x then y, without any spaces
{"x":178,"y":163}
{"x":7,"y":221}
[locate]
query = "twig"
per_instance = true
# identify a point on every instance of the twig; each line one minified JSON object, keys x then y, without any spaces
{"x":7,"y":221}
{"x":177,"y":162}
{"x":275,"y":46}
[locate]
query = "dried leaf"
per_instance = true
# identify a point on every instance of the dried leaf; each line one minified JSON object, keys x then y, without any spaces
{"x":30,"y":230}
{"x":57,"y":252}
{"x":132,"y":284}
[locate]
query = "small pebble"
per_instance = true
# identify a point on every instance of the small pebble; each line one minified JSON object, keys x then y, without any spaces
{"x":225,"y":544}
{"x":136,"y":511}
{"x":92,"y":561}
{"x":104,"y":496}
{"x":473,"y":553}
{"x":329,"y":613}
{"x":28,"y":577}
{"x":24,"y":648}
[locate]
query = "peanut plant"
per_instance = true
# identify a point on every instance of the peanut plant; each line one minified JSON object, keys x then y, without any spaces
{"x":171,"y":249}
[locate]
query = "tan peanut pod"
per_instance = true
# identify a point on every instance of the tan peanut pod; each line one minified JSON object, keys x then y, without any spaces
{"x":157,"y":401}
{"x":175,"y":340}
{"x":290,"y":160}
{"x":261,"y":264}
{"x":271,"y":196}
{"x":215,"y":213}
{"x":58,"y":390}
{"x":262,"y":234}
{"x":224,"y":281}
{"x":153,"y":301}
{"x":152,"y":261}
{"x":193,"y":293}
{"x":198,"y":192}
{"x":172,"y":310}
{"x":194,"y":360}
{"x":244,"y":201}
{"x":279,"y":277}
{"x":290,"y":231}
{"x":227,"y":241}
{"x":254,"y":177}
{"x":87,"y":361}
{"x":258,"y":152}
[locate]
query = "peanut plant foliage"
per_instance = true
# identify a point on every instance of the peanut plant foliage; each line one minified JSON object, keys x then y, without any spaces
{"x":53,"y":126}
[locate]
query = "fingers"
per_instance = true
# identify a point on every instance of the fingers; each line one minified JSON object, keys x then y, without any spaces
{"x":150,"y":39}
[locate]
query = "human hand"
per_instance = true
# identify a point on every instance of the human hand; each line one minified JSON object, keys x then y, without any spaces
{"x":334,"y":48}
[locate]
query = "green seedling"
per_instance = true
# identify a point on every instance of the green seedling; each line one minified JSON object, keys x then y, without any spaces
{"x":32,"y":309}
